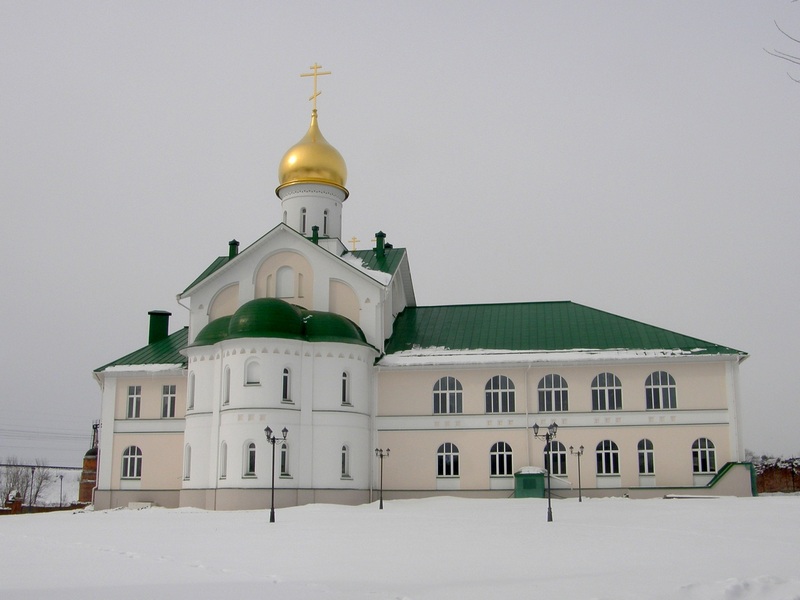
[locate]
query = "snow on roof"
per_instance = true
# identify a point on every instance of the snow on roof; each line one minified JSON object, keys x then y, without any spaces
{"x":144,"y":367}
{"x":380,"y":276}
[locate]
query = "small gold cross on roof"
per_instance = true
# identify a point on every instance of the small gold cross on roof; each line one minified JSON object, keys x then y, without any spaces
{"x":353,"y":241}
{"x":317,"y":73}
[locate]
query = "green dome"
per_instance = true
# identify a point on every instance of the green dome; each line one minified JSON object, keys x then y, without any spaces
{"x":212,"y":333}
{"x":330,"y":327}
{"x":266,"y":317}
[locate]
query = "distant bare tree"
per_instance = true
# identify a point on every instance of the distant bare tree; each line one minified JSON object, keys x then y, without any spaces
{"x":42,"y":478}
{"x":793,"y":58}
{"x":14,"y":477}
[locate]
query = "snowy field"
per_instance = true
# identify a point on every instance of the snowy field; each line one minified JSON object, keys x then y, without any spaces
{"x":442,"y":548}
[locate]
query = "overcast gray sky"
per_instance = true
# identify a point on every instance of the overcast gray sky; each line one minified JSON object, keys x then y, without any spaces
{"x":637,"y":157}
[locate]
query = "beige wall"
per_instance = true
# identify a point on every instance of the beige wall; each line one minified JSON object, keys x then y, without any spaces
{"x":162,"y":460}
{"x":152,"y":388}
{"x":343,"y":301}
{"x":266,"y":278}
{"x":224,"y":303}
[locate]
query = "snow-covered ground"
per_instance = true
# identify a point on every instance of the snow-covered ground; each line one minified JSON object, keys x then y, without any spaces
{"x":442,"y":548}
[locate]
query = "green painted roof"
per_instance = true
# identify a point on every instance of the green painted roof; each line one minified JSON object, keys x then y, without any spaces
{"x":276,"y":318}
{"x":534,"y":326}
{"x":218,"y":263}
{"x":163,"y":352}
{"x":389,"y":263}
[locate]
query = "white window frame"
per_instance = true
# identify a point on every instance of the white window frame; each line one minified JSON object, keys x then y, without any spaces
{"x":661,"y":393}
{"x":558,"y":454}
{"x":190,"y":392}
{"x":553,"y":393}
{"x":606,"y":392}
{"x":134,"y":405}
{"x":250,"y":456}
{"x":447,"y":461}
{"x":448,"y":396}
{"x":132,"y":463}
{"x":284,"y":460}
{"x":501,"y":460}
{"x":607,"y":455}
{"x":704,"y":457}
{"x":647,"y":457}
{"x":168,"y":399}
{"x":500,"y":395}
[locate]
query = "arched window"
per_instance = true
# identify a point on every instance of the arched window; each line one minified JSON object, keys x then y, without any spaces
{"x":284,"y":459}
{"x":190,"y":393}
{"x":660,"y":391}
{"x":447,"y":460}
{"x":252,"y":372}
{"x":223,"y":460}
{"x":345,"y":462}
{"x":226,"y":387}
{"x":250,"y":460}
{"x":286,"y":386}
{"x":132,"y":463}
{"x":447,"y":394}
{"x":607,"y":458}
{"x":325,"y":222}
{"x":500,"y":395}
{"x":345,"y":388}
{"x":558,"y":453}
{"x":647,"y":465}
{"x":606,"y":392}
{"x":704,"y":456}
{"x":302,"y":220}
{"x":500,"y":460}
{"x":187,"y":462}
{"x":284,"y":283}
{"x":553,"y":394}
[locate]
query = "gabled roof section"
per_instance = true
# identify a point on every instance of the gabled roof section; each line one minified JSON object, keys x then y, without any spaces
{"x":388,"y":263}
{"x":534,"y":327}
{"x":162,"y":352}
{"x":214,"y":266}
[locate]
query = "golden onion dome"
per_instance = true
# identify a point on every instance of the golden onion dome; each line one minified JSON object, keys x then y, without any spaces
{"x":313,"y":160}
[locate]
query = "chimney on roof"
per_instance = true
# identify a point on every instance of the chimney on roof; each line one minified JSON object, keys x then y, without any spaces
{"x":315,"y":234}
{"x":233,"y":249}
{"x":380,"y":244}
{"x":159,"y":325}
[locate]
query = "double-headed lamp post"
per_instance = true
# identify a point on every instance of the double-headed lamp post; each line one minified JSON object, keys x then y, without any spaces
{"x":272,"y":439}
{"x":548,"y":436}
{"x":578,"y":453}
{"x":381,"y":454}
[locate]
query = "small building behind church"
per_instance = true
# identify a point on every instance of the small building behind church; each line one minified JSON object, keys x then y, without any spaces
{"x":298,"y":332}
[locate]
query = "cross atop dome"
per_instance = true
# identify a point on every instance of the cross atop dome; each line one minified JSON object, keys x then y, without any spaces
{"x":316,"y":73}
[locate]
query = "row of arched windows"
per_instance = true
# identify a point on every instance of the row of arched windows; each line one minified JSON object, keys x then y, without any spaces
{"x":607,"y":458}
{"x":252,"y":377}
{"x":304,"y":221}
{"x":553,"y":393}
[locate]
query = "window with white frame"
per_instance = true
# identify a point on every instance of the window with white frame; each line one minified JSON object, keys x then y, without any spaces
{"x":187,"y":462}
{"x":500,"y":460}
{"x":250,"y":460}
{"x":659,"y":389}
{"x":447,"y":396}
{"x":447,"y":460}
{"x":607,"y":458}
{"x":284,"y":283}
{"x":558,"y":455}
{"x":606,"y":392}
{"x":190,"y":393}
{"x":284,"y":459}
{"x":553,"y":394}
{"x":168,"y":401}
{"x":345,"y":388}
{"x":226,"y":387}
{"x":252,"y":372}
{"x":345,"y":462}
{"x":132,"y":463}
{"x":647,"y":464}
{"x":500,"y":395}
{"x":286,"y":386}
{"x":704,"y":456}
{"x":223,"y":460}
{"x":134,"y":401}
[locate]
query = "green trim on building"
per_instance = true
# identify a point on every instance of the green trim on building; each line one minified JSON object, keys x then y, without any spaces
{"x":535,"y":326}
{"x":388,"y":263}
{"x":218,"y":263}
{"x":163,"y":352}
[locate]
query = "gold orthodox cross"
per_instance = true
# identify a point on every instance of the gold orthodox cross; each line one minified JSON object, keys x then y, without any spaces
{"x":353,"y":241}
{"x":317,"y":73}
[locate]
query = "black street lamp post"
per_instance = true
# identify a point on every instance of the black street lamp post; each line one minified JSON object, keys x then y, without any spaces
{"x":578,"y":453}
{"x":272,"y":439}
{"x":547,"y":436}
{"x":381,"y":454}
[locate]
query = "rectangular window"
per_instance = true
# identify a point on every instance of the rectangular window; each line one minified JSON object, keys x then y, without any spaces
{"x":134,"y":401}
{"x":168,"y":402}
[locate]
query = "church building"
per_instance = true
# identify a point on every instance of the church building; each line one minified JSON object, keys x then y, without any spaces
{"x":325,"y":349}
